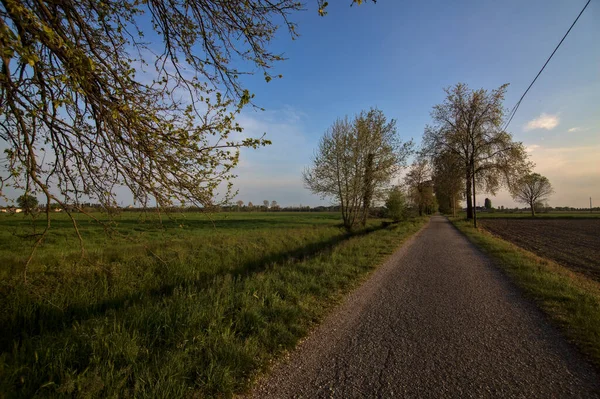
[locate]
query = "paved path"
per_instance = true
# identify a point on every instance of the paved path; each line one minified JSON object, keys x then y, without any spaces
{"x":437,"y":320}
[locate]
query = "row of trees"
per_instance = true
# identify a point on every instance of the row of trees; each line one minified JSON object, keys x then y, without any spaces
{"x":266,"y":205}
{"x":465,"y":150}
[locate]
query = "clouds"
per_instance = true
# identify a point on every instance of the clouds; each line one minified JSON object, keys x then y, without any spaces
{"x":544,"y":121}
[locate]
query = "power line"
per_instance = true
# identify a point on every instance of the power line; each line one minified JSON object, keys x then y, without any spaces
{"x":516,"y":107}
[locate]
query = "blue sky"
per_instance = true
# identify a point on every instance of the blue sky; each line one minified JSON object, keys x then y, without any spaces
{"x":398,"y":56}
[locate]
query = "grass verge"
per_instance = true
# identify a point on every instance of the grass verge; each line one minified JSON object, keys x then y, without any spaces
{"x":571,"y":300}
{"x":203,"y":324}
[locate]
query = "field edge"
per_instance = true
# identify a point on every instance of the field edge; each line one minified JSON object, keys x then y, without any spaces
{"x":570,"y":300}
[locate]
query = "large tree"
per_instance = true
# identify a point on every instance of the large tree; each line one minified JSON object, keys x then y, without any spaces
{"x":469,"y":125}
{"x":142,"y":94}
{"x":531,"y":189}
{"x":355,"y":162}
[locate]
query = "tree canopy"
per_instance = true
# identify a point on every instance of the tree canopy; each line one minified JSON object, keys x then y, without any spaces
{"x":531,"y":189}
{"x":142,"y":94}
{"x":27,"y":202}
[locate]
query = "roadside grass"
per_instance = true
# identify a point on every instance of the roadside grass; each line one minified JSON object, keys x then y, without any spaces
{"x":204,"y":322}
{"x":527,"y":215}
{"x":571,"y":300}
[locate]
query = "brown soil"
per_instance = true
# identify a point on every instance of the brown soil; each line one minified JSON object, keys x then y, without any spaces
{"x":574,"y":243}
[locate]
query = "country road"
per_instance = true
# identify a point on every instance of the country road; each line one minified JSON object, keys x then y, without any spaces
{"x":436,"y":320}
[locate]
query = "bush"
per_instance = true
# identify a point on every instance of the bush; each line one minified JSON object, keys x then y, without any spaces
{"x":395,"y":205}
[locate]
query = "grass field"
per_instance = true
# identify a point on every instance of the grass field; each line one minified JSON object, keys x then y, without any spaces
{"x":571,"y":300}
{"x":226,"y":296}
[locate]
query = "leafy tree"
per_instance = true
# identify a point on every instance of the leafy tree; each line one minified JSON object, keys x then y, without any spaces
{"x":448,"y":182}
{"x":28,"y":203}
{"x":418,"y":181}
{"x":141,"y":94}
{"x":382,"y":154}
{"x":395,"y":205}
{"x":469,"y":125}
{"x":354,"y":163}
{"x":250,"y":205}
{"x":532,"y":189}
{"x":266,"y":204}
{"x":488,"y":204}
{"x":239,"y":204}
{"x":274,"y":205}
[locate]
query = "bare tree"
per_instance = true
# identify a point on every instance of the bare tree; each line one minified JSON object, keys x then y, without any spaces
{"x":239,"y":204}
{"x":274,"y":205}
{"x":532,"y":189}
{"x":266,"y":204}
{"x":469,"y":124}
{"x":355,"y":162}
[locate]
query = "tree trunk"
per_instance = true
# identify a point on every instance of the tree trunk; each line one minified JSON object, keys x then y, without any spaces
{"x":474,"y":204}
{"x":368,"y":189}
{"x":532,"y":209}
{"x":469,"y":198}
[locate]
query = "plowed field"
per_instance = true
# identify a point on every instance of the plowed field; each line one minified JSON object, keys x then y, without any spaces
{"x":570,"y":242}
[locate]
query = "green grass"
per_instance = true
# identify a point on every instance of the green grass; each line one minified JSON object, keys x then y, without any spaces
{"x":571,"y":300}
{"x":229,"y":296}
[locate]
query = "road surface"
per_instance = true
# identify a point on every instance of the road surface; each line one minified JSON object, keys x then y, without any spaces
{"x":436,"y":320}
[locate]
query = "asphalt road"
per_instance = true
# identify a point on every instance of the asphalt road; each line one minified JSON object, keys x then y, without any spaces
{"x":437,"y":320}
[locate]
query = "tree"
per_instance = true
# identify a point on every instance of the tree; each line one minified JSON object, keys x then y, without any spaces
{"x":381,"y":152}
{"x":82,"y":82}
{"x":532,"y":189}
{"x":354,"y":163}
{"x":488,"y":204}
{"x":274,"y":205}
{"x":266,"y":204}
{"x":418,"y":181}
{"x":448,"y":181}
{"x":395,"y":205}
{"x":28,"y":203}
{"x":250,"y":205}
{"x":469,"y":124}
{"x":239,"y":204}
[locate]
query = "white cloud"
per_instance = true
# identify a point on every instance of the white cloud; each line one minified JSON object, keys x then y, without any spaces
{"x":574,"y":129}
{"x":544,"y":121}
{"x":531,"y":148}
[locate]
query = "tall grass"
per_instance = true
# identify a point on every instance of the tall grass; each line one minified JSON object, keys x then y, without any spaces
{"x":227,"y":296}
